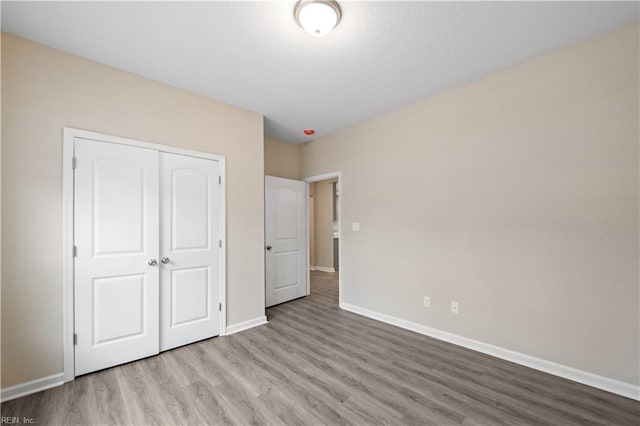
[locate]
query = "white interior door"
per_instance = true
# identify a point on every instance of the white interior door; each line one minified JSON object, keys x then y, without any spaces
{"x":190,"y":249}
{"x":285,"y":235}
{"x":116,"y":269}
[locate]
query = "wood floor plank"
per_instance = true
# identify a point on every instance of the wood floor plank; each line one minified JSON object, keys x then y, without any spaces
{"x":315,"y":364}
{"x":140,"y":400}
{"x":208,"y":404}
{"x":399,"y":384}
{"x":343,"y":378}
{"x":367,"y":409}
{"x":289,"y":414}
{"x":304,"y":389}
{"x":365,"y":384}
{"x":106,"y":398}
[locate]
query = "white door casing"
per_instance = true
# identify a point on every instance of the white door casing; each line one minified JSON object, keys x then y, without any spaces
{"x":116,"y":223}
{"x":318,"y":178}
{"x":285,"y":240}
{"x":189,"y":249}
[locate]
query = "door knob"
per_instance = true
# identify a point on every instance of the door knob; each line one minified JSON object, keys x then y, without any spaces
{"x":164,"y":260}
{"x":152,"y":262}
{"x":268,"y":248}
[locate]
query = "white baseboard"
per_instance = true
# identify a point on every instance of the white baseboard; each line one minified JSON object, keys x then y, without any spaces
{"x":322,"y":268}
{"x":610,"y":385}
{"x":33,"y":386}
{"x":245,"y":325}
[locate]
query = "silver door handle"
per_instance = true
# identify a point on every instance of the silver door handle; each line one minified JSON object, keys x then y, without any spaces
{"x":268,"y":248}
{"x":164,"y":260}
{"x":152,"y":262}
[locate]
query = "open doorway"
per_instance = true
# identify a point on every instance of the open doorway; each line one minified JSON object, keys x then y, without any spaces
{"x":324,"y":231}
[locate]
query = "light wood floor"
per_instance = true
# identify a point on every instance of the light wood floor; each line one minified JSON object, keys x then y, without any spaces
{"x":316,"y":364}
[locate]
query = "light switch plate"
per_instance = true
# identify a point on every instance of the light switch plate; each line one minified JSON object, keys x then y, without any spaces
{"x":355,"y":226}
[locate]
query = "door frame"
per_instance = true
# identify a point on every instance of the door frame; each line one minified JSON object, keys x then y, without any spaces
{"x":68,"y":137}
{"x":318,"y":178}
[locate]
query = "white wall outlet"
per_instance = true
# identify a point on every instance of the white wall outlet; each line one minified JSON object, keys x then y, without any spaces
{"x":355,"y":226}
{"x":455,"y":308}
{"x":427,"y":302}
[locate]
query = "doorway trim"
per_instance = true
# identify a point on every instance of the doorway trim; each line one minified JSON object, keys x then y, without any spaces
{"x":318,"y":178}
{"x":68,"y":136}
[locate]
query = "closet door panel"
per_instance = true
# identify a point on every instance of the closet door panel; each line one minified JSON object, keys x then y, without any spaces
{"x":116,"y":237}
{"x":189,"y":249}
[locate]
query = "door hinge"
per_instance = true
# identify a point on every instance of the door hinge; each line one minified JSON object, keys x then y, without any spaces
{"x":220,"y":243}
{"x":74,"y":163}
{"x":75,"y":339}
{"x":220,"y":307}
{"x":75,"y":251}
{"x":219,"y":180}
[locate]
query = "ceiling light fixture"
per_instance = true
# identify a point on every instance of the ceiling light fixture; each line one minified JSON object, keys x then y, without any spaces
{"x":317,"y":17}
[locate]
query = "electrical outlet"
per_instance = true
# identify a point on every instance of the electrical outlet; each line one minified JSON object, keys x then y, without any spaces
{"x":355,"y":226}
{"x":455,"y":309}
{"x":427,"y":302}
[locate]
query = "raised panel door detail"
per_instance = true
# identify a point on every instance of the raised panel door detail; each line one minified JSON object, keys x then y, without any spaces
{"x":286,"y":223}
{"x":118,"y":307}
{"x":118,"y":207}
{"x":189,"y":295}
{"x":190,"y":209}
{"x":286,"y":265}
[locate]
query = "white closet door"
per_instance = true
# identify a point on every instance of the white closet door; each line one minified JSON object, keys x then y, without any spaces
{"x":286,"y":241}
{"x":189,"y":250}
{"x":116,"y":235}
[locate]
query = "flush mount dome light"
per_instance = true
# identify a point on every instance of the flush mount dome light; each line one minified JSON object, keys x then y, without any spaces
{"x":317,"y":17}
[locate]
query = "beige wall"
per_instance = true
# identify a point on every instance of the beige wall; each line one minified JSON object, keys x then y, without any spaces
{"x":281,"y":159}
{"x":45,"y":90}
{"x":515,"y":195}
{"x":323,"y":224}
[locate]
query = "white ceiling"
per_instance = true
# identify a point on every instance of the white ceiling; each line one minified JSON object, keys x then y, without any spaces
{"x":253,"y":55}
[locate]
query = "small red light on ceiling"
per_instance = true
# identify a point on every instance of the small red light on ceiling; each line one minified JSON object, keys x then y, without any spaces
{"x":309,"y":132}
